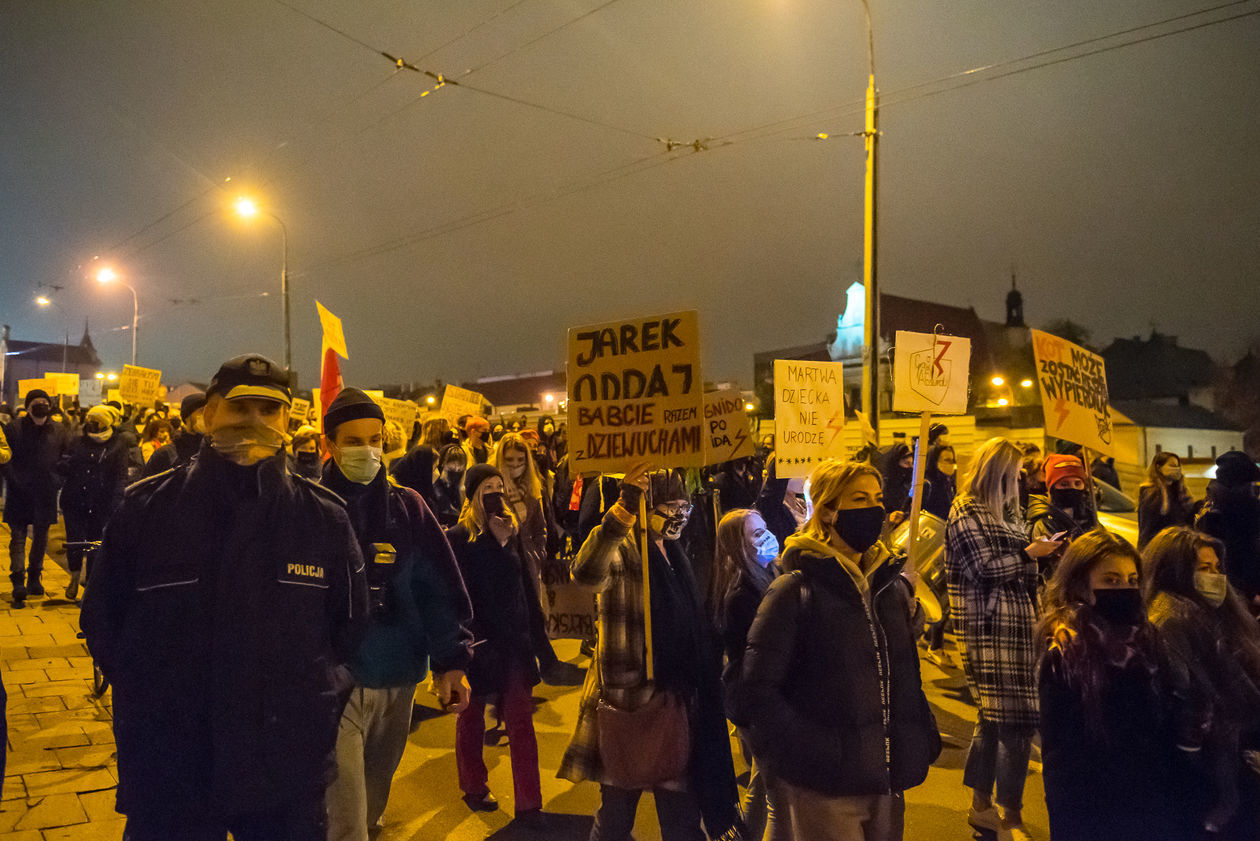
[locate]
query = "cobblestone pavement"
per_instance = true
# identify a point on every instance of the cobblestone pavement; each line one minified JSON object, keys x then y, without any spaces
{"x":60,"y":778}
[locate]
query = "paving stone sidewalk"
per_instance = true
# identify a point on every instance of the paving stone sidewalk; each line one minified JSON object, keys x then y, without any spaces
{"x":61,"y":773}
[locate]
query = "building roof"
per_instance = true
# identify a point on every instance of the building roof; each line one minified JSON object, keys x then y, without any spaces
{"x":1157,"y":367}
{"x":519,"y":389}
{"x":1150,"y":413}
{"x":51,"y":352}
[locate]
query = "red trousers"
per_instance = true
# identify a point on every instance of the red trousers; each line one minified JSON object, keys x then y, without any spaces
{"x":517,"y":708}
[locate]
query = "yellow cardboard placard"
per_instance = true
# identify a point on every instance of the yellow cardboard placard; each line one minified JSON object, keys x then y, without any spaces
{"x":36,"y":383}
{"x":1073,"y":384}
{"x":808,"y":415}
{"x":67,"y":384}
{"x":930,"y":373}
{"x":636,"y":394}
{"x":138,"y":385}
{"x":334,"y":336}
{"x":457,"y":402}
{"x":726,"y":435}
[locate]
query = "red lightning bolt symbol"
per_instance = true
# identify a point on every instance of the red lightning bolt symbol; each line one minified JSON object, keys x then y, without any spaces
{"x":837,"y":428}
{"x":944,"y":346}
{"x":1063,"y":411}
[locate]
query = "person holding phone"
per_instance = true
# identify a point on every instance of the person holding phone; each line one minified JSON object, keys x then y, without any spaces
{"x":991,"y":571}
{"x":506,"y":620}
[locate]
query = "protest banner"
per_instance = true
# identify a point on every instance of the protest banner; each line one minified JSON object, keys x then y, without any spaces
{"x":569,"y":608}
{"x":36,"y":383}
{"x":1073,"y":383}
{"x":138,"y":385}
{"x":300,"y":409}
{"x":808,"y":415}
{"x":401,"y":412}
{"x":930,"y":373}
{"x":636,"y":394}
{"x":457,"y":402}
{"x":113,"y":395}
{"x":726,"y":435}
{"x":67,"y":385}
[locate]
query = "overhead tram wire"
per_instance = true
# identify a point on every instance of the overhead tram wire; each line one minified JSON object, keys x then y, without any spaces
{"x":968,"y":78}
{"x":541,"y":37}
{"x":471,"y":30}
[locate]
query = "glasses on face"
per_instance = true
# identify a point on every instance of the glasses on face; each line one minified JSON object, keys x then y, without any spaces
{"x":677,"y":508}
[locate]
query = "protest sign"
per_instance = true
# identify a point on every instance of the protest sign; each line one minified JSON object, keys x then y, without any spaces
{"x":457,"y":402}
{"x":1073,"y":383}
{"x":67,"y":385}
{"x":726,"y":435}
{"x":300,"y":409}
{"x":401,"y":412}
{"x":569,"y":608}
{"x":930,"y":373}
{"x":139,"y":385}
{"x":635,"y":394}
{"x":113,"y":395}
{"x":32,"y":384}
{"x":808,"y":415}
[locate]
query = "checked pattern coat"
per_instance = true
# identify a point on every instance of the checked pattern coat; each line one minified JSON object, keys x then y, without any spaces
{"x":992,"y":593}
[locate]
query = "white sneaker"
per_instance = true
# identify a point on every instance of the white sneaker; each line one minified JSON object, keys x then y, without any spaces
{"x":1014,"y":833}
{"x":940,"y":658}
{"x":986,"y":819}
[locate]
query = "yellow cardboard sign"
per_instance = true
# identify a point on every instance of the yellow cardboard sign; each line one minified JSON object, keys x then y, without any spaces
{"x":67,"y":385}
{"x":930,"y":373}
{"x":636,"y":394}
{"x":401,"y":412}
{"x":726,"y":435}
{"x":334,"y":336}
{"x":301,"y":409}
{"x":457,"y":402}
{"x":113,"y":395}
{"x":1073,"y":383}
{"x":808,"y":415}
{"x":32,"y":384}
{"x":138,"y":385}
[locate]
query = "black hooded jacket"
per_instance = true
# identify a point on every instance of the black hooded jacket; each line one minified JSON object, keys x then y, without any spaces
{"x":1232,"y":515}
{"x":831,"y":688}
{"x":897,"y":479}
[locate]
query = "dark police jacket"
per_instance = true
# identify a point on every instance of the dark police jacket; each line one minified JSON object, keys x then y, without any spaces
{"x":224,"y":604}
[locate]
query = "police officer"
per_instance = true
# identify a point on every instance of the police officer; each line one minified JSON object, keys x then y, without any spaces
{"x":420,"y":613}
{"x":226,"y":600}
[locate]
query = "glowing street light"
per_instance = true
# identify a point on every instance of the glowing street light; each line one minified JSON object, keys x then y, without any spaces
{"x":430,"y":400}
{"x":1002,"y":401}
{"x":1025,"y":384}
{"x":106,"y":276}
{"x":549,"y":398}
{"x":998,"y":381}
{"x":99,"y":375}
{"x":247,"y":208}
{"x":111,"y":376}
{"x":45,"y":301}
{"x":748,"y":407}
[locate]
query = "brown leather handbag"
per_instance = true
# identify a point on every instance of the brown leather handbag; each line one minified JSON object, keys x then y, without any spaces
{"x":646,"y":747}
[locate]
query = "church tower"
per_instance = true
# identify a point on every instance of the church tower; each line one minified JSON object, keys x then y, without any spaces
{"x":1014,"y":306}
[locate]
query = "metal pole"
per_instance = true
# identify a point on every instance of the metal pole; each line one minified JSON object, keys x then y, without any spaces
{"x":870,"y":339}
{"x":284,"y":293}
{"x":135,"y":321}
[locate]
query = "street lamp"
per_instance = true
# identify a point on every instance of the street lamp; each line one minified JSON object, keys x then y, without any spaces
{"x":246,"y":208}
{"x":107,"y":275}
{"x":45,"y":301}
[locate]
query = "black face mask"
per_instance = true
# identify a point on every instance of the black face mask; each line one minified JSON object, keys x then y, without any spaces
{"x":860,"y":527}
{"x":1120,"y":607}
{"x":40,"y":410}
{"x":308,"y":465}
{"x":1069,"y":498}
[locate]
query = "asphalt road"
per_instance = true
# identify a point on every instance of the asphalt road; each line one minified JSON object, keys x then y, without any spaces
{"x":425,"y":802}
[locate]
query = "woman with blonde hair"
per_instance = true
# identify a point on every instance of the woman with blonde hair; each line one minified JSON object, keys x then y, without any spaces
{"x":1163,"y":500}
{"x":506,"y":614}
{"x":523,"y":490}
{"x":831,"y":679}
{"x":744,"y":566}
{"x":991,"y":571}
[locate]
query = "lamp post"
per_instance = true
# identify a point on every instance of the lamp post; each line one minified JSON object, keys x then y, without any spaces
{"x":108,"y":275}
{"x":45,"y":301}
{"x":246,"y":208}
{"x":870,"y":338}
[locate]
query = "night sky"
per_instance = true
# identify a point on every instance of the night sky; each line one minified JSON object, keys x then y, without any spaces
{"x":461,"y":234}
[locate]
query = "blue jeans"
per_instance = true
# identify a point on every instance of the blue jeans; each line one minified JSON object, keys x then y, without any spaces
{"x":999,"y":757}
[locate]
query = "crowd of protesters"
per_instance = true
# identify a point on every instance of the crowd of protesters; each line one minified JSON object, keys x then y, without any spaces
{"x":269,"y":595}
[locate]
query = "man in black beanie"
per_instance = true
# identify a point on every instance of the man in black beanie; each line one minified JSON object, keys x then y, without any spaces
{"x":420,"y":616}
{"x":226,"y":599}
{"x":187,"y":441}
{"x":37,"y":443}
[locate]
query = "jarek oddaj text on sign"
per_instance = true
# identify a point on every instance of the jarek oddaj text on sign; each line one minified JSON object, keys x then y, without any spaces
{"x":635,"y":394}
{"x":1074,"y":398}
{"x":808,"y":415}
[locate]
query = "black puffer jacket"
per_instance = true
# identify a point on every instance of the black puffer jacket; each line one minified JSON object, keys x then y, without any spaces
{"x":31,"y":474}
{"x":1232,"y":516}
{"x":95,"y":475}
{"x":832,"y":687}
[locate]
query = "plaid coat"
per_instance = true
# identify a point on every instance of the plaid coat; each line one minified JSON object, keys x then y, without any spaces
{"x":992,"y":592}
{"x":609,"y":562}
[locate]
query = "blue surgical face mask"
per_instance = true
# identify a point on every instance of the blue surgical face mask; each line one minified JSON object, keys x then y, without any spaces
{"x":359,"y":464}
{"x":767,"y":546}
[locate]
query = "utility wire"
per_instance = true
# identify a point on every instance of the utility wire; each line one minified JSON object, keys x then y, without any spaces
{"x":471,"y":30}
{"x":533,"y":41}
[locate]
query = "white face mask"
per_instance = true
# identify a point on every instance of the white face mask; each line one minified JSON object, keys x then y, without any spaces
{"x":359,"y":464}
{"x":516,"y":472}
{"x":246,"y":444}
{"x":1212,"y":586}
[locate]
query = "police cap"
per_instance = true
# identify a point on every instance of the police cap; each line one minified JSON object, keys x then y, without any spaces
{"x":251,"y":375}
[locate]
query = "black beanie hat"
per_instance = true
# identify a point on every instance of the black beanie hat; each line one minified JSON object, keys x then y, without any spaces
{"x":35,"y":394}
{"x":1236,"y":468}
{"x":350,"y":404}
{"x":477,"y":474}
{"x":191,"y":403}
{"x":666,"y":486}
